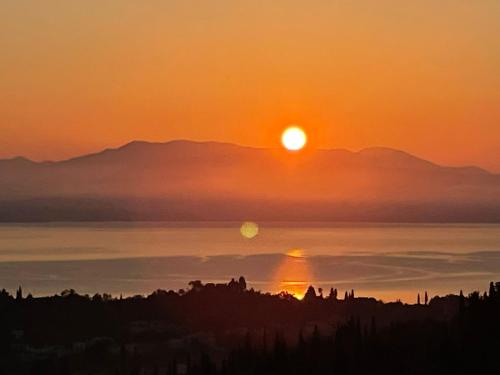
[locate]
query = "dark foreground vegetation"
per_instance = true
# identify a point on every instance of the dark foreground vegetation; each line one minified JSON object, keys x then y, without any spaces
{"x":229,"y":329}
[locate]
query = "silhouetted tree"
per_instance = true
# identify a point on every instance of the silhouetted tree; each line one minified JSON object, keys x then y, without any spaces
{"x":310,"y":294}
{"x":333,"y":294}
{"x":19,"y":294}
{"x":474,"y":297}
{"x":68,"y":293}
{"x":461,"y":303}
{"x":233,"y":284}
{"x":196,"y":285}
{"x":492,"y":290}
{"x":497,"y":288}
{"x":243,"y":283}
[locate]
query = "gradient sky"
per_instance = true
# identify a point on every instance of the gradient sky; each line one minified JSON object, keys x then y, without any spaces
{"x":422,"y":76}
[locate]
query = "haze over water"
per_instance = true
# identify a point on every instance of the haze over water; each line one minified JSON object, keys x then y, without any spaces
{"x":381,"y":260}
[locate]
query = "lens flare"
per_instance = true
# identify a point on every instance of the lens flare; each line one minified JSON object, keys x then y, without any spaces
{"x":249,"y":229}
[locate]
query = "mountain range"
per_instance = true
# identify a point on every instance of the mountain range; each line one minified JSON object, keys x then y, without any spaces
{"x":186,"y":180}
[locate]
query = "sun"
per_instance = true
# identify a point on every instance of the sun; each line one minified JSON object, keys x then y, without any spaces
{"x":293,"y":138}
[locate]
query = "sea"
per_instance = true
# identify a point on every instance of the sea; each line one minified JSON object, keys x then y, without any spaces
{"x":386,"y":261}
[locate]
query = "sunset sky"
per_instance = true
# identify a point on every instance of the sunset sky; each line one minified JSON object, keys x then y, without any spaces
{"x":422,"y":76}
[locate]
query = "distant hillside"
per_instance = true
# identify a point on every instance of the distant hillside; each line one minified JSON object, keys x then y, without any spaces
{"x":184,"y":180}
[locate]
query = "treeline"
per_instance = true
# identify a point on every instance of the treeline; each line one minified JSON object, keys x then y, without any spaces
{"x":230,"y":329}
{"x":468,"y":343}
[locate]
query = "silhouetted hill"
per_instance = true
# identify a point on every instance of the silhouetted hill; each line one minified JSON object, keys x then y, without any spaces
{"x":185,"y":180}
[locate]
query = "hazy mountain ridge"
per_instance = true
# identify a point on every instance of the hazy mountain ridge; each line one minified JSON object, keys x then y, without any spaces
{"x":211,"y":180}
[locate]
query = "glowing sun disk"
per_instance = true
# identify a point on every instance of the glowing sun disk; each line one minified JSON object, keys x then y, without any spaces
{"x":293,"y":138}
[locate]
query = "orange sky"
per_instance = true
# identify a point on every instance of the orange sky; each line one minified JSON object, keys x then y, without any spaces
{"x":423,"y":76}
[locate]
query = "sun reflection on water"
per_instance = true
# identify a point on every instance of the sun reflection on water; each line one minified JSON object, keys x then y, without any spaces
{"x":294,"y":274}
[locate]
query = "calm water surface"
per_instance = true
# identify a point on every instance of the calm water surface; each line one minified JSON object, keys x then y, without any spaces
{"x":383,"y":260}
